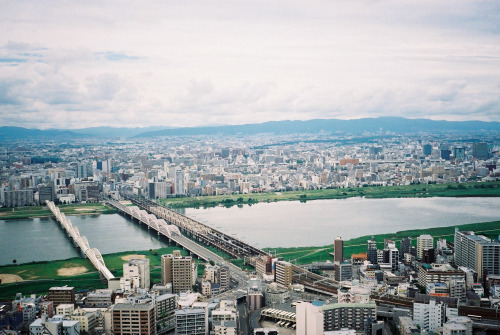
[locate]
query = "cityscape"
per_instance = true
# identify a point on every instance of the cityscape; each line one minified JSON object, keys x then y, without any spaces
{"x":249,"y":168}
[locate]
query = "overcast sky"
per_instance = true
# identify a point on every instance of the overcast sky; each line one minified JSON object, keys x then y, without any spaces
{"x":75,"y":64}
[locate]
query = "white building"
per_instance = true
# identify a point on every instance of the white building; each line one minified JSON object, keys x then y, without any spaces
{"x":428,"y":316}
{"x":55,"y":325}
{"x":309,"y":319}
{"x":137,"y":272}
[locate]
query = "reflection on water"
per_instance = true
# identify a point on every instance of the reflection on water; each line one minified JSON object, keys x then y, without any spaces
{"x":316,"y":223}
{"x":43,"y":239}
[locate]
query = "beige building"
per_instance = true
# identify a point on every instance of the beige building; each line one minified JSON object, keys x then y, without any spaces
{"x":283,"y":273}
{"x":88,"y":320}
{"x":180,"y":271}
{"x":424,"y":242}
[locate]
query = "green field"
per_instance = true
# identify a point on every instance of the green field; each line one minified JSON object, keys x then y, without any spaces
{"x":307,"y":255}
{"x":483,"y":189}
{"x":40,"y":276}
{"x":43,"y":211}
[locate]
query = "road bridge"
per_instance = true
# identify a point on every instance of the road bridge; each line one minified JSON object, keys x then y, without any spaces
{"x":199,"y":231}
{"x":92,"y":254}
{"x":173,"y":234}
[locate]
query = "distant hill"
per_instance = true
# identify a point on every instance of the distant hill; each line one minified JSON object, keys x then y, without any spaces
{"x":116,"y":132}
{"x":393,"y":124}
{"x":18,"y":133}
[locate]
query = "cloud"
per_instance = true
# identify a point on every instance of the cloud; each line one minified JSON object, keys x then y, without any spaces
{"x":234,"y":62}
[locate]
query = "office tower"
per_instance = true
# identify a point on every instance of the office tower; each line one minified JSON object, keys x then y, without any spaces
{"x":480,"y":150}
{"x":371,"y":252}
{"x":137,"y":271}
{"x":459,"y":152}
{"x":445,"y":154}
{"x":394,"y":259}
{"x":179,"y":183}
{"x":404,"y":246}
{"x":133,"y":319}
{"x":46,"y":192}
{"x":427,"y":149}
{"x":429,"y":256}
{"x":338,"y":249}
{"x":424,"y":242}
{"x":283,"y":273}
{"x":177,"y":270}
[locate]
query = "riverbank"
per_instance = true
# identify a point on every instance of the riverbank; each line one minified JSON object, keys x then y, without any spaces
{"x":38,"y":277}
{"x":480,"y":189}
{"x":358,"y":245}
{"x":43,"y":211}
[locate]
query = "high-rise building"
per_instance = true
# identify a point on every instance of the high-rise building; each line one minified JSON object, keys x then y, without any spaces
{"x":394,"y":259}
{"x":223,"y":278}
{"x":179,"y":271}
{"x":338,"y":245}
{"x":371,"y":253}
{"x":137,"y":271}
{"x":179,"y":187}
{"x":424,"y":242}
{"x":445,"y":154}
{"x":133,"y":319}
{"x":283,"y":273}
{"x":480,"y":150}
{"x":427,"y":149}
{"x":404,"y":246}
{"x":477,"y":252}
{"x":459,"y":152}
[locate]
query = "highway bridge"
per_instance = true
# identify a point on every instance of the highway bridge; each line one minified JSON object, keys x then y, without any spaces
{"x":92,"y":254}
{"x":173,"y":234}
{"x":199,"y":231}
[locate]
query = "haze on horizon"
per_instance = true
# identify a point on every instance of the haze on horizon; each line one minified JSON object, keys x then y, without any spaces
{"x":193,"y":63}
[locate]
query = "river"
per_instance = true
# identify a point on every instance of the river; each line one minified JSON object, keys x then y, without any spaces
{"x":279,"y":224}
{"x":317,"y":222}
{"x":43,"y":239}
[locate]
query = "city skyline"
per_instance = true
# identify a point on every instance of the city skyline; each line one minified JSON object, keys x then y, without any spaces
{"x":197,"y":64}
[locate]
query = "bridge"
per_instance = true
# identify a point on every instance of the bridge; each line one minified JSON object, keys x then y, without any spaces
{"x":199,"y":231}
{"x":173,"y":234}
{"x":92,"y":254}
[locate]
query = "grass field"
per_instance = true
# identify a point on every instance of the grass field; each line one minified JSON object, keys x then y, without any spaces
{"x":39,"y":277}
{"x":43,"y":211}
{"x":486,"y":189}
{"x":307,"y":255}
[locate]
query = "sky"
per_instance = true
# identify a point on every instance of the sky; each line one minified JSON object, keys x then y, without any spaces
{"x":76,"y":64}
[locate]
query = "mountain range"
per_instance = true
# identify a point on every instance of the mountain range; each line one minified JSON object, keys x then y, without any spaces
{"x":392,"y":124}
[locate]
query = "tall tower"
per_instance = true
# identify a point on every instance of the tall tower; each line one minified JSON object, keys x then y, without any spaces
{"x":338,"y":245}
{"x":371,"y":251}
